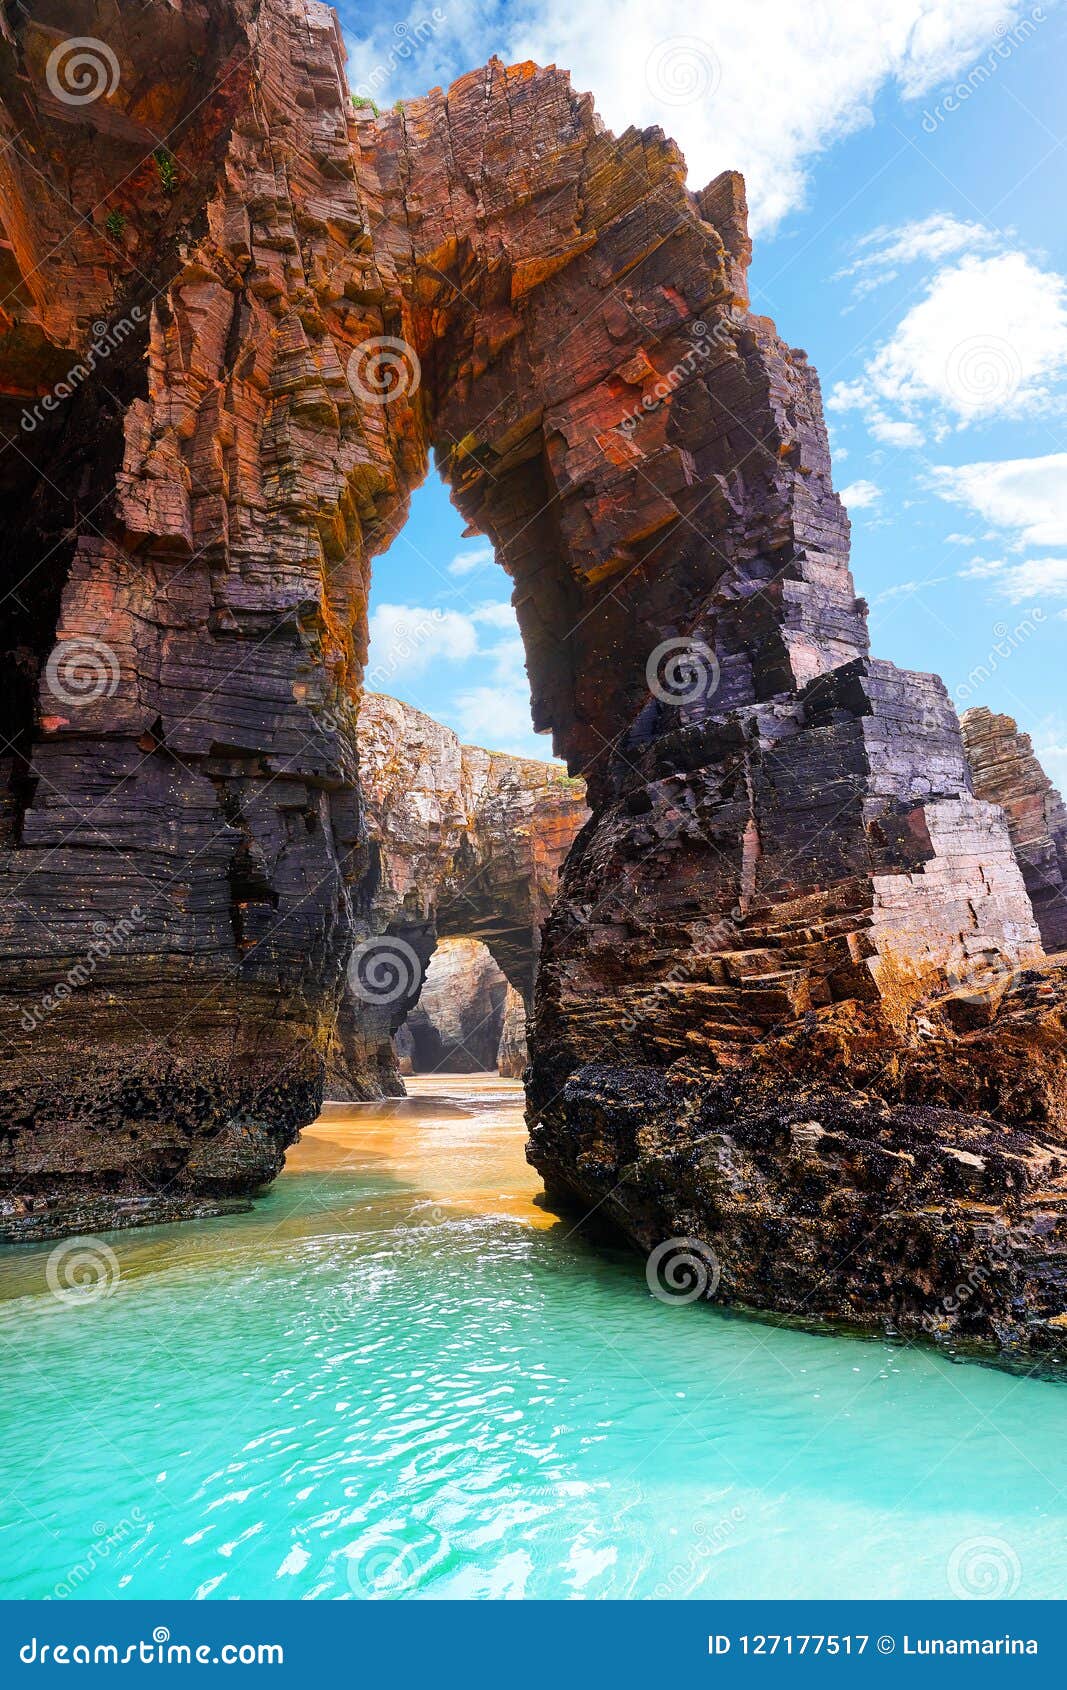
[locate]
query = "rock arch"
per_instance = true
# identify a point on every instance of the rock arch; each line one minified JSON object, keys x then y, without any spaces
{"x":462,"y":843}
{"x":786,"y":864}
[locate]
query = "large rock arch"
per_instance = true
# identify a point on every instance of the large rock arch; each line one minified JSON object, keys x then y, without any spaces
{"x":786,"y":860}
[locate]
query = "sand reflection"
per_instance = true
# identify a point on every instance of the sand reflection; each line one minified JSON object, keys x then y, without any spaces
{"x":459,"y":1139}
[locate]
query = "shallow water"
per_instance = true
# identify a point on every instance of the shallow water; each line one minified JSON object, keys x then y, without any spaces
{"x":400,"y":1376}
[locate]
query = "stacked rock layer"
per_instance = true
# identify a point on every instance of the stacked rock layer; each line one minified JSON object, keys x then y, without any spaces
{"x":1006,"y":772}
{"x":461,"y":844}
{"x":785,"y":1003}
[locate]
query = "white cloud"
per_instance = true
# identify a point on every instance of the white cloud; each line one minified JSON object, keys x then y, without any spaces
{"x":405,"y":639}
{"x":483,"y":647}
{"x":496,"y":713}
{"x":959,"y":539}
{"x":1025,"y":494}
{"x":988,"y":338}
{"x":933,"y":239}
{"x":1037,"y":578}
{"x":1050,"y":744}
{"x":704,"y":75}
{"x":894,"y":433}
{"x":908,"y":589}
{"x":465,"y":563}
{"x":495,"y":616}
{"x":500,"y":721}
{"x":861,"y":495}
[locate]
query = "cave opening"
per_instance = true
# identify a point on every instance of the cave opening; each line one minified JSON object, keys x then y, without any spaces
{"x":469,"y":1018}
{"x":468,"y":817}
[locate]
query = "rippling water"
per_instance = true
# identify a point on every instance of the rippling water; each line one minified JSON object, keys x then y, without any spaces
{"x":402,"y":1377}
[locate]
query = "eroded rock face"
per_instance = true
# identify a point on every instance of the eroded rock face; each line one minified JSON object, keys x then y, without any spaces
{"x":457,"y":1023}
{"x":513,"y":1052}
{"x":1006,"y":772}
{"x":462,"y":844}
{"x":190,"y":558}
{"x":763,"y":1013}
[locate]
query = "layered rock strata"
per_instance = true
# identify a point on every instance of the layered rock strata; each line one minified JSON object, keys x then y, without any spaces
{"x":512,"y":1052}
{"x":462,"y":844}
{"x":770,"y":1013}
{"x":192,"y":493}
{"x":456,"y":1025}
{"x":1006,"y":772}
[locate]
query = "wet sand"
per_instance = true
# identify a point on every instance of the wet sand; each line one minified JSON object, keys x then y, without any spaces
{"x":458,"y":1138}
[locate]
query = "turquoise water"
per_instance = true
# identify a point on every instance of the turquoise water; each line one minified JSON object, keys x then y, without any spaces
{"x":399,"y":1377}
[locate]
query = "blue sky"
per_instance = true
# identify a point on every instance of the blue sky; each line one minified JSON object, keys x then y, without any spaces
{"x":906,"y":177}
